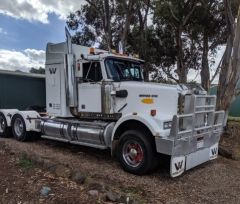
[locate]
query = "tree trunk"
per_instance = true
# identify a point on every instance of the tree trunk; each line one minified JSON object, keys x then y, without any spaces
{"x":230,"y":72}
{"x":107,"y":27}
{"x":142,"y":30}
{"x":205,"y":75}
{"x":181,"y":69}
{"x":127,"y":24}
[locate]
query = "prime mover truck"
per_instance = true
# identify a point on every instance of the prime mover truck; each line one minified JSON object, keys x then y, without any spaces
{"x":99,"y":99}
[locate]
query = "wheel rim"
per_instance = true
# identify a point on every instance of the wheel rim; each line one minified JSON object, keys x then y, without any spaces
{"x":132,"y":153}
{"x":18,"y":127}
{"x":2,"y":124}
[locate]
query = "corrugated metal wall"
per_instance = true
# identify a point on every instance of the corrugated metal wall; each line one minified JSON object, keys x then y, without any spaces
{"x":235,"y":107}
{"x":21,"y":90}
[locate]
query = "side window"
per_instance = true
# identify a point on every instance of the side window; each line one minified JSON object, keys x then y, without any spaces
{"x":92,"y":72}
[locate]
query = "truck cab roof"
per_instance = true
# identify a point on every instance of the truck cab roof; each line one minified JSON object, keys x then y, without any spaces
{"x":84,"y":51}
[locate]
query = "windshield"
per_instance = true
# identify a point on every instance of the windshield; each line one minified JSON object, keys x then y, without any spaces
{"x":123,"y":70}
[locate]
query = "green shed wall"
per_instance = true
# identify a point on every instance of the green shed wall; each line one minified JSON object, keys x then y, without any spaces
{"x":235,"y":106}
{"x":20,"y":92}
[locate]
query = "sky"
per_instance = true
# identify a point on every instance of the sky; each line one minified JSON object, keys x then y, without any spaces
{"x":26,"y":26}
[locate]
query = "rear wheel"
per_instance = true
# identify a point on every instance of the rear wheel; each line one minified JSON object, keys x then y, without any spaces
{"x":5,"y":131}
{"x":136,"y":152}
{"x":19,"y":128}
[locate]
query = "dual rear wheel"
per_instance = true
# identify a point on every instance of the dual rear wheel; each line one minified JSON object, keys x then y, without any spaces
{"x":5,"y":131}
{"x":17,"y":129}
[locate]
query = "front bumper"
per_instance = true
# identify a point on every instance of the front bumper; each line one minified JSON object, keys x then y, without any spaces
{"x":194,"y":135}
{"x":179,"y":164}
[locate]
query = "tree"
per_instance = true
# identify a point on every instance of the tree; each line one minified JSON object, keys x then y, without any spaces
{"x":37,"y":71}
{"x":176,"y":15}
{"x":230,"y":66}
{"x":141,"y":37}
{"x":207,"y":28}
{"x":92,"y":22}
{"x":105,"y":22}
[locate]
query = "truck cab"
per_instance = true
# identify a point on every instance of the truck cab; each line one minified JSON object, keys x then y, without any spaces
{"x":99,"y":99}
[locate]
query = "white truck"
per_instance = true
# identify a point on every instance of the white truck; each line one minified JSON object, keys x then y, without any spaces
{"x":98,"y":99}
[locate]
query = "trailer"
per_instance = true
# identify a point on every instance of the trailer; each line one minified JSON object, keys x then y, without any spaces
{"x":99,"y":99}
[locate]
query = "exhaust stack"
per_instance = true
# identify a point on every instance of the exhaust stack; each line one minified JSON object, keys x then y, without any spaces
{"x":71,"y":86}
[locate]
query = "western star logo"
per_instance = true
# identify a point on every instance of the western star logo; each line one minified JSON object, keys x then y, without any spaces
{"x":178,"y":165}
{"x":214,"y":151}
{"x":52,"y":70}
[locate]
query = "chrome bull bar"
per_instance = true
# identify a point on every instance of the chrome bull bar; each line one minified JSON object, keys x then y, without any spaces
{"x":195,"y":134}
{"x":187,"y":137}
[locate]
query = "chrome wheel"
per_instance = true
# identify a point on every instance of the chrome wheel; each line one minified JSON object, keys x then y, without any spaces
{"x":18,"y":127}
{"x":132,"y":153}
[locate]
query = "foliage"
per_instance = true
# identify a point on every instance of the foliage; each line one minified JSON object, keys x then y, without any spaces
{"x":37,"y":71}
{"x":24,"y":162}
{"x":172,"y":36}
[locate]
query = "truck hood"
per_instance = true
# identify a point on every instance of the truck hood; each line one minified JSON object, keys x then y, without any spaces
{"x":144,"y":97}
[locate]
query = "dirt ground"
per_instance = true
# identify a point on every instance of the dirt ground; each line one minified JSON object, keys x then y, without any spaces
{"x":230,"y":141}
{"x":21,"y":180}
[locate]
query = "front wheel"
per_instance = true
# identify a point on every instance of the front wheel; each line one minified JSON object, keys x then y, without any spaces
{"x":136,"y":152}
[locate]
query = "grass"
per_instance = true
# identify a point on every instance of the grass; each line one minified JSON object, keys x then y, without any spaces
{"x":24,"y":162}
{"x":233,"y":119}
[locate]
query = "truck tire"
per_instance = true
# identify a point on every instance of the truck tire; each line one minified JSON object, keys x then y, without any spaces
{"x":135,"y":152}
{"x":19,"y":128}
{"x":5,"y":131}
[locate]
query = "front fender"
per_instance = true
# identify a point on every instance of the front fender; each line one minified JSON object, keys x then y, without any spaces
{"x":147,"y":120}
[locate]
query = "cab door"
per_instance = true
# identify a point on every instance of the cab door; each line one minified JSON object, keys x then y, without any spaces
{"x":90,"y":89}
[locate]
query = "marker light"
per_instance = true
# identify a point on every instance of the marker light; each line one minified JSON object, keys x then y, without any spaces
{"x":153,"y":112}
{"x":91,"y":50}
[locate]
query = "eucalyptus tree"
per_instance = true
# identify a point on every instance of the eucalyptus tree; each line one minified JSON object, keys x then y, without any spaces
{"x":230,"y":66}
{"x":176,"y":15}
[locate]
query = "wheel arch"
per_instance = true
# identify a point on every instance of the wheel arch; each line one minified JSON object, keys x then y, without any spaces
{"x":8,"y":114}
{"x":137,"y":122}
{"x":29,"y":119}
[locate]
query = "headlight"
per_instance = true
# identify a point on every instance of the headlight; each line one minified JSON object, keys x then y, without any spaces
{"x":167,"y":125}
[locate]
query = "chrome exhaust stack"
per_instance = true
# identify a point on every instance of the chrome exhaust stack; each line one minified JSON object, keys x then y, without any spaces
{"x":71,"y":85}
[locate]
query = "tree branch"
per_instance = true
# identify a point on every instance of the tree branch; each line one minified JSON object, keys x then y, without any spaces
{"x":186,"y":19}
{"x":92,"y":4}
{"x":146,"y":11}
{"x":169,"y":75}
{"x":217,"y":70}
{"x":173,"y":15}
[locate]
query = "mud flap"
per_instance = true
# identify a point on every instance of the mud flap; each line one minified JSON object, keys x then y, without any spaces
{"x":213,"y":153}
{"x":177,"y":166}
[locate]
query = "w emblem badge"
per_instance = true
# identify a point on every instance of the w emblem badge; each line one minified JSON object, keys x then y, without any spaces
{"x":52,"y":70}
{"x":178,"y":165}
{"x":213,"y":152}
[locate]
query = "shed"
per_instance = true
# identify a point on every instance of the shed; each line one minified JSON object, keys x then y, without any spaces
{"x":21,"y":90}
{"x":235,"y":106}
